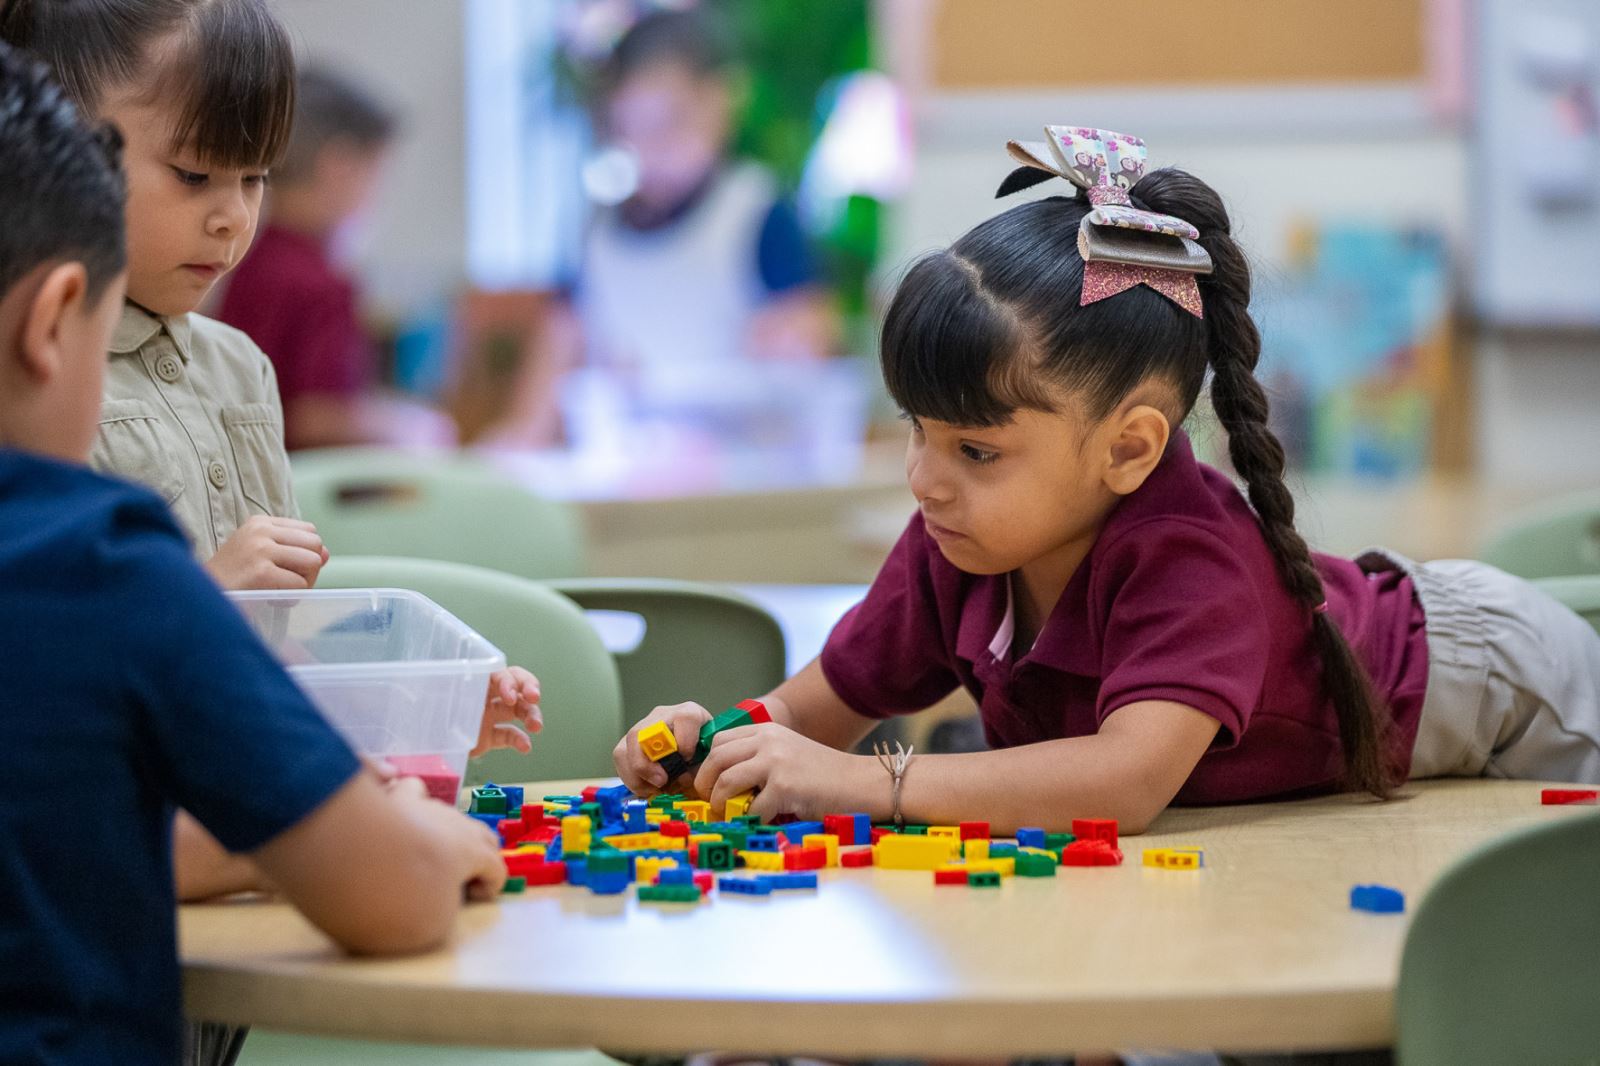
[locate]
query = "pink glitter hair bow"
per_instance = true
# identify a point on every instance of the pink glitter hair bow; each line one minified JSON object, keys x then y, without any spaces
{"x":1121,"y":245}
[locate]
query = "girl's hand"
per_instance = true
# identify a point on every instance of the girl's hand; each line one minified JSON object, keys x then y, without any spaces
{"x":791,"y":774}
{"x":512,"y":705}
{"x":634,"y":766}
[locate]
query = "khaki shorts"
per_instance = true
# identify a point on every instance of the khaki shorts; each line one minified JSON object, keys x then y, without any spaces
{"x":1513,"y":676}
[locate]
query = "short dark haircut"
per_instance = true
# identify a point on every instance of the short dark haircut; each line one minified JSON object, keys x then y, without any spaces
{"x":230,"y":70}
{"x":696,"y":40}
{"x":61,"y":186}
{"x":330,"y":107}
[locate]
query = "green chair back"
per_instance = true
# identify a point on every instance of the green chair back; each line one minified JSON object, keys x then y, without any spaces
{"x":537,"y":629}
{"x":435,"y":505}
{"x":1581,"y":593}
{"x":1502,"y":962}
{"x":702,"y":644}
{"x":1553,"y":540}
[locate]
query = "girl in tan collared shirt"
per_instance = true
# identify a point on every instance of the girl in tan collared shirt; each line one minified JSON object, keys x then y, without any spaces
{"x":191,"y":406}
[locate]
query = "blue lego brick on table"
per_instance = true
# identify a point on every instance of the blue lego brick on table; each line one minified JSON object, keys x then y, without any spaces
{"x":798,"y":831}
{"x":577,"y":870}
{"x":1030,"y":838}
{"x":676,"y":875}
{"x":514,"y":794}
{"x":612,"y":800}
{"x":792,"y":880}
{"x":863,"y":826}
{"x":761,"y":842}
{"x":744,"y":886}
{"x":1378,"y":899}
{"x":633,"y":816}
{"x":606,"y":884}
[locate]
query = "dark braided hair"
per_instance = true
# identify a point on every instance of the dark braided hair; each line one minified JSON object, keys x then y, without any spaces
{"x":988,"y":326}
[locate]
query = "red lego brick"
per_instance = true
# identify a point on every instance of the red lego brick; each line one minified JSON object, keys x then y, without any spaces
{"x":757,"y":709}
{"x":842,"y":826}
{"x":974,"y":830}
{"x":857,"y":857}
{"x":703,"y":880}
{"x":955,"y":876}
{"x":879,"y":832}
{"x":532,"y":814}
{"x":524,"y":863}
{"x":675,"y":828}
{"x":1552,"y":797}
{"x":1095,"y":829}
{"x":550,"y":873}
{"x":591,"y":794}
{"x":1090,"y":853}
{"x":511,"y":831}
{"x":813,"y":858}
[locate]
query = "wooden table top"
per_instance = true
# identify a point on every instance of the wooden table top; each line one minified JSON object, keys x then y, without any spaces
{"x":1259,"y":950}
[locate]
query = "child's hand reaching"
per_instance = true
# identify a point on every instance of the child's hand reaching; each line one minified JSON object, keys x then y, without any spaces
{"x":511,"y":706}
{"x":790,"y":773}
{"x":635,"y":768}
{"x":269,"y":553}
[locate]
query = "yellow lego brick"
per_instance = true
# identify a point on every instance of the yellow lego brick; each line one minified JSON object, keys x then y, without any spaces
{"x":952,"y":832}
{"x":1005,"y":867}
{"x":1174,"y":858}
{"x":672,"y":843}
{"x":657,"y":742}
{"x":762,"y":860}
{"x":632,"y":841}
{"x":655,"y":816}
{"x":575,"y":823}
{"x":900,"y":852}
{"x":704,"y":838}
{"x":645,"y":870}
{"x":694,"y":810}
{"x":738,"y":806}
{"x":1037,"y":851}
{"x":976,"y":850}
{"x":1156,"y":857}
{"x":830,"y":841}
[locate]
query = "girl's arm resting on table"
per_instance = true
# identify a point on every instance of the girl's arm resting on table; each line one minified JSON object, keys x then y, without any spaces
{"x":203,"y":868}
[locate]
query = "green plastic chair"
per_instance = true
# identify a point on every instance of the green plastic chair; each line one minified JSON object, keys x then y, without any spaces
{"x":1581,"y":593}
{"x":703,"y":644}
{"x":1552,"y":540}
{"x":537,"y":628}
{"x":435,"y":505}
{"x":1502,"y":961}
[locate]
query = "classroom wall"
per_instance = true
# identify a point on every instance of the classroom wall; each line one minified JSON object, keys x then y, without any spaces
{"x":410,"y":52}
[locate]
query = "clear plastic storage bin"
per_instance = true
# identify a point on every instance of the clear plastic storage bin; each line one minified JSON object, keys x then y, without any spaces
{"x":402,"y":678}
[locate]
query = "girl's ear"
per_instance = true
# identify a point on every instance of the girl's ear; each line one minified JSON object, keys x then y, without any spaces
{"x":47,"y":320}
{"x":1139,"y":439}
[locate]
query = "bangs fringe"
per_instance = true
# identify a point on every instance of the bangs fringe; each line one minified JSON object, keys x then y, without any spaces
{"x":952,"y":353}
{"x":233,"y":74}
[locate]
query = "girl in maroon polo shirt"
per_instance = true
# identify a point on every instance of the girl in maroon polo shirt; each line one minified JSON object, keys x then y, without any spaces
{"x":1134,"y":631}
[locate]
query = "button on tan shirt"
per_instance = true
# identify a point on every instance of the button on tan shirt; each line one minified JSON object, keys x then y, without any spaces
{"x":191,"y":409}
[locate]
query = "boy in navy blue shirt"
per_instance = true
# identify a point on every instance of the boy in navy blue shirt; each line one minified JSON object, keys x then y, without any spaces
{"x":129,"y":686}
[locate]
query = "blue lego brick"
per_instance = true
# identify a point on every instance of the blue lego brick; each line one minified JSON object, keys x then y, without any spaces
{"x":746,"y":886}
{"x":606,"y":884}
{"x":577,"y":870}
{"x":612,"y":800}
{"x":863,"y":828}
{"x":514,"y":795}
{"x":796,"y":880}
{"x":676,"y":875}
{"x":798,"y":831}
{"x":633,"y":816}
{"x":491,"y":820}
{"x":761,"y":842}
{"x":1030,"y":838}
{"x":553,"y":850}
{"x":1378,"y":899}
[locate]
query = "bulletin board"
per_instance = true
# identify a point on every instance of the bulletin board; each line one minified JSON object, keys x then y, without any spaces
{"x":1019,"y":44}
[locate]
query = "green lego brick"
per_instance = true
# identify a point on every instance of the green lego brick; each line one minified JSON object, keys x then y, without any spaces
{"x":1036,"y":866}
{"x":665,"y":800}
{"x":488,"y":801}
{"x":749,"y":820}
{"x":669,"y":893}
{"x":998,"y":850}
{"x":715,"y":855}
{"x":1057,"y":841}
{"x":514,"y":885}
{"x":609,"y":861}
{"x":738,"y":838}
{"x":915,"y":830}
{"x":591,"y":811}
{"x":983,"y":879}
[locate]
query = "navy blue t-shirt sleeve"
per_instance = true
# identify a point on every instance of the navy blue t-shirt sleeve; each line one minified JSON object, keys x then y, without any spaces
{"x":783,"y":256}
{"x":235,"y":741}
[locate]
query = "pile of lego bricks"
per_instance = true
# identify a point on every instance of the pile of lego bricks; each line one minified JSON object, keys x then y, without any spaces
{"x":607,"y":839}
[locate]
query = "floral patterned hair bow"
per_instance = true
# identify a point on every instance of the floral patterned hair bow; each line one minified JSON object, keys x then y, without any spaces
{"x":1122,"y":246}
